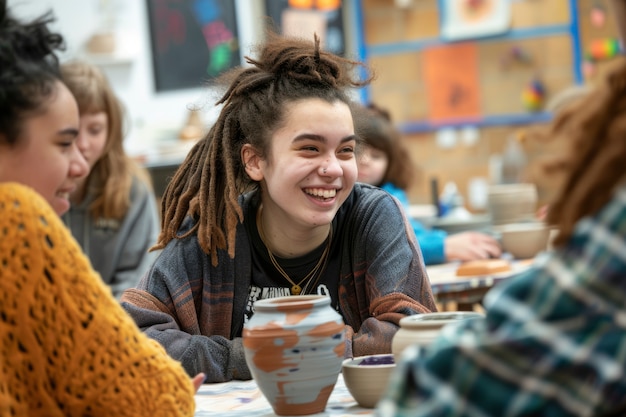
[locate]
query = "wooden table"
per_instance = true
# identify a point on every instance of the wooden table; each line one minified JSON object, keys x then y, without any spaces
{"x":466,"y":292}
{"x":244,"y":399}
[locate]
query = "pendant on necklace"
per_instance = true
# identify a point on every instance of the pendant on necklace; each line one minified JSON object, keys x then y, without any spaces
{"x":296,"y":289}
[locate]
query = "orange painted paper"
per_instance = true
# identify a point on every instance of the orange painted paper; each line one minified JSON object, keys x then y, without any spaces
{"x":451,"y":80}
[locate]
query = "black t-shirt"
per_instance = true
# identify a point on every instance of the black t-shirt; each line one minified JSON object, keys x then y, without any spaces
{"x":267,"y":282}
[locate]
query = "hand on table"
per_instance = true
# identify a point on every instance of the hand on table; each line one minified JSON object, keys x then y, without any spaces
{"x":197,"y":381}
{"x":468,"y":246}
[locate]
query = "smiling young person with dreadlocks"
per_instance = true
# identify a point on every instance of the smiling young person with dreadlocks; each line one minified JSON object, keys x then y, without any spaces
{"x":266,"y":205}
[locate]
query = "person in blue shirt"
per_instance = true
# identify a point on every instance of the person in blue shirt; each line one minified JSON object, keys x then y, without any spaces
{"x":385,"y":162}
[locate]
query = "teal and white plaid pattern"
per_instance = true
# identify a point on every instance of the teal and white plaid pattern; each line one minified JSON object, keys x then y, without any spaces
{"x":553,"y":342}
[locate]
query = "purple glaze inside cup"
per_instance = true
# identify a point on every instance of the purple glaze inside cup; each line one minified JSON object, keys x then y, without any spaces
{"x":377,"y":360}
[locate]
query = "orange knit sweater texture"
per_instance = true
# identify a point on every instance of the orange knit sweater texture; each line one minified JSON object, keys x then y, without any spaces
{"x":66,"y":346}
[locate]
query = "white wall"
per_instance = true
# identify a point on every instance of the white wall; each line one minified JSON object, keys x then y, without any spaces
{"x":153,"y":115}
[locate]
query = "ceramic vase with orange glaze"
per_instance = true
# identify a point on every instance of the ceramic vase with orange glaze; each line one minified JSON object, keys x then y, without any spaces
{"x":294,"y":347}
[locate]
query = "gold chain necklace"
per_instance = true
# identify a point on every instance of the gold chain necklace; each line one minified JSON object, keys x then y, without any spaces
{"x":296,"y":288}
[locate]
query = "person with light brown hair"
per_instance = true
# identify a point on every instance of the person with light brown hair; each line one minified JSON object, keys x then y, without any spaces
{"x":553,"y":340}
{"x":114,"y":215}
{"x":267,"y":205}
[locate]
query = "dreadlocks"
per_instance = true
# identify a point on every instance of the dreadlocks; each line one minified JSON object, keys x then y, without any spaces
{"x":596,"y":130}
{"x":208,"y":183}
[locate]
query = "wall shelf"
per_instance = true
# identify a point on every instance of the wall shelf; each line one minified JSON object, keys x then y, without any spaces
{"x":108,"y":59}
{"x":485,"y":121}
{"x":419,"y":45}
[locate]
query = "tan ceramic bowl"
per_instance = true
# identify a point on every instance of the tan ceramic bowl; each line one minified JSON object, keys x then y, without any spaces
{"x":367,"y":382}
{"x":524,"y":240}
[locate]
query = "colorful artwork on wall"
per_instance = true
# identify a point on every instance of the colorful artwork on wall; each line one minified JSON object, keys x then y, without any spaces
{"x":453,"y":69}
{"x":469,"y":19}
{"x":193,"y":41}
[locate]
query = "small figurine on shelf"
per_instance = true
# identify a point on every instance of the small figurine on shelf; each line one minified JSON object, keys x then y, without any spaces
{"x":193,"y":128}
{"x":101,"y":43}
{"x":534,"y":95}
{"x":599,"y":50}
{"x":103,"y":40}
{"x":602,"y":49}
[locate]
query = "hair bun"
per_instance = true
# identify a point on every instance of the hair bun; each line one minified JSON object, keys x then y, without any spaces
{"x":305,"y":61}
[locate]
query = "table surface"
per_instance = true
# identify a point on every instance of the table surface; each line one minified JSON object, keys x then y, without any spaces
{"x":243,"y":398}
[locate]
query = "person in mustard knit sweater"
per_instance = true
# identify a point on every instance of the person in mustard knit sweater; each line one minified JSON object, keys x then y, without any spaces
{"x":67,"y":348}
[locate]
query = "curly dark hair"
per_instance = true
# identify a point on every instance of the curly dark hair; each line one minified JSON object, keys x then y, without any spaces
{"x":29,"y":69}
{"x":209,"y":181}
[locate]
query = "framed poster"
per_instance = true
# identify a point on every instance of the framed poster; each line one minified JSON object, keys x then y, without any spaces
{"x":303,"y":18}
{"x":192,"y":41}
{"x":468,"y":19}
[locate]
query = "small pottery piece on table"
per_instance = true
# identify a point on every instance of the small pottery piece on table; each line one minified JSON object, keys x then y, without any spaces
{"x":367,"y":377}
{"x":294,"y":347}
{"x":423,"y":329}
